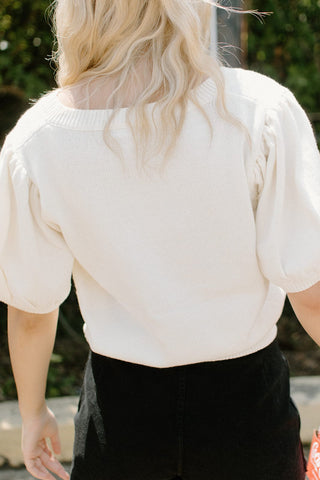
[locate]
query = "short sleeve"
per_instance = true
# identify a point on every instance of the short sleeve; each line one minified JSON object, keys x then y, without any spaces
{"x":288,"y":211}
{"x":35,"y":262}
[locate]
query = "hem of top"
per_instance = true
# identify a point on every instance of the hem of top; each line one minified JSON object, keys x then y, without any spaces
{"x":58,"y":114}
{"x":265,"y":342}
{"x":29,"y":308}
{"x":298,"y":286}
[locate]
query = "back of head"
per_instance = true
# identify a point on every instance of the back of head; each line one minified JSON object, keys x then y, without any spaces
{"x":158,"y":47}
{"x":112,"y":36}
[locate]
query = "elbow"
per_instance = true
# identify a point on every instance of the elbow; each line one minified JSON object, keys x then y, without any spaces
{"x":308,"y":299}
{"x":30,"y":322}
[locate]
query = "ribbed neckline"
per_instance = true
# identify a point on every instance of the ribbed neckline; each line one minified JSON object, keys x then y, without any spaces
{"x":59,"y":114}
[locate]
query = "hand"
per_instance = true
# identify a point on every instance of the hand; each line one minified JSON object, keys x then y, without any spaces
{"x":38,"y":458}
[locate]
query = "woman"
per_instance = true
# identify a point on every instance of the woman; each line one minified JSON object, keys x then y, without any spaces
{"x":184,"y":199}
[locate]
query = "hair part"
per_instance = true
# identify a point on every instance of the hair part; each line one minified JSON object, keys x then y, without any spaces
{"x":167,"y":41}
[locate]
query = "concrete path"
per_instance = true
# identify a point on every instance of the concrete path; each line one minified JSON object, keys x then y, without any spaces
{"x":20,"y":474}
{"x":10,"y":429}
{"x":305,"y":392}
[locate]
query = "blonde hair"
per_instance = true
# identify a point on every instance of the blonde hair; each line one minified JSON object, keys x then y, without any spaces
{"x":100,"y":39}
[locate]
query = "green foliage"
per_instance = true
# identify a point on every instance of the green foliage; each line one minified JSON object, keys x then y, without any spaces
{"x":25,"y":45}
{"x":286,"y":46}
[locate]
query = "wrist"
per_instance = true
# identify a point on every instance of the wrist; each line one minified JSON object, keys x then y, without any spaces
{"x":28,"y":412}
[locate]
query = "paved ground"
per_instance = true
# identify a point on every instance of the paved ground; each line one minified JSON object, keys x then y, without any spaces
{"x":20,"y":474}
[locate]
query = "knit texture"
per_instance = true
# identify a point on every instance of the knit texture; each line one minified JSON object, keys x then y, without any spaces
{"x":189,"y":267}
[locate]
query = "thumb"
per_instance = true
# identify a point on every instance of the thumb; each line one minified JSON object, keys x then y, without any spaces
{"x":55,"y":442}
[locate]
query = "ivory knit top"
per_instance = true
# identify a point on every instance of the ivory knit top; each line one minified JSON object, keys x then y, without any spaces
{"x":192,"y":266}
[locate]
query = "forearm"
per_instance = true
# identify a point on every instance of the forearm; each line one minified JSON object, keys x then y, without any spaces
{"x":309,"y":319}
{"x":306,"y":305}
{"x":31,"y":340}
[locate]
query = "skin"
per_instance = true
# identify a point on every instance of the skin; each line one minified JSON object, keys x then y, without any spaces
{"x":306,"y":305}
{"x":31,"y":340}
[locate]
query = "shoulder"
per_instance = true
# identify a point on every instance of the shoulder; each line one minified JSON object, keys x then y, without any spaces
{"x":31,"y":122}
{"x":253,"y":87}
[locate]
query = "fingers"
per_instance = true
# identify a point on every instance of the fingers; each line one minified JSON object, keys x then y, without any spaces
{"x":41,"y":466}
{"x":55,"y":442}
{"x":36,"y":469}
{"x":52,"y":464}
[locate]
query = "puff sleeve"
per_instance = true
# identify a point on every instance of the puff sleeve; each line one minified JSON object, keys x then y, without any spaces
{"x":35,"y":262}
{"x":288,"y":211}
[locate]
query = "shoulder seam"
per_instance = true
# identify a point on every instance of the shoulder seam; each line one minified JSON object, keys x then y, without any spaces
{"x":18,"y":148}
{"x":267,"y":105}
{"x":26,"y":140}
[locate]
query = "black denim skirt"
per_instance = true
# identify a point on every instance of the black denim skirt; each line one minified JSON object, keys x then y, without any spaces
{"x":224,"y":420}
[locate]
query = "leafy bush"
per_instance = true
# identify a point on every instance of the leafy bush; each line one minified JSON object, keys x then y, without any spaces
{"x":286,"y":46}
{"x":25,"y":44}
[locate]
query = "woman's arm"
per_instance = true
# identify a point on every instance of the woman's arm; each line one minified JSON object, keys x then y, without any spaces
{"x":306,"y":305}
{"x":31,"y":339}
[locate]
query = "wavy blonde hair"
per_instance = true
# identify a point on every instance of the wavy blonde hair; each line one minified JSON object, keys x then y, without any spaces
{"x":112,"y":39}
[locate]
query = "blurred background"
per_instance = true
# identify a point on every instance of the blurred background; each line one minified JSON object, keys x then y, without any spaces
{"x":285,"y":46}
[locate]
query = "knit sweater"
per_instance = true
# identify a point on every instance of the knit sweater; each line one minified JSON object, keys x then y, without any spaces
{"x":186,"y":267}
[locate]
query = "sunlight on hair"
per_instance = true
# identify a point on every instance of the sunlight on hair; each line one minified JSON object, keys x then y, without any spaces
{"x":143,"y":52}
